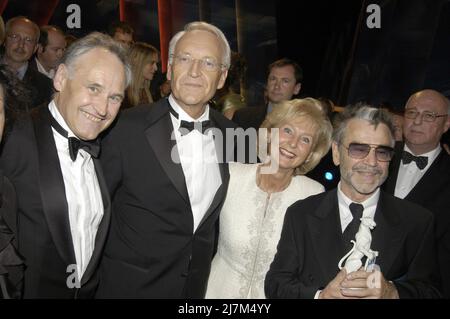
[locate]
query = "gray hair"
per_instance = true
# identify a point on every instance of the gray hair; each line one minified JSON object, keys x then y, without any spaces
{"x":363,"y":112}
{"x":92,"y":41}
{"x":200,"y":25}
{"x":11,"y":21}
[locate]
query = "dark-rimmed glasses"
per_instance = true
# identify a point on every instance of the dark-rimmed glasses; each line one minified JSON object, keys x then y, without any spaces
{"x":383,"y":153}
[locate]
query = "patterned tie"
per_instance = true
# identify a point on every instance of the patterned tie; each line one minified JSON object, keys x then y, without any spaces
{"x":352,"y":228}
{"x":421,"y":161}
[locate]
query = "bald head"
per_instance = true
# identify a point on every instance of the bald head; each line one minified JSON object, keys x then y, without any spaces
{"x":423,"y":133}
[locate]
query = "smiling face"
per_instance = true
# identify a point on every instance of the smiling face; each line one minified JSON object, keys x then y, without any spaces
{"x":360,"y":178}
{"x":192,"y":85}
{"x":89,"y":96}
{"x":296,"y":139}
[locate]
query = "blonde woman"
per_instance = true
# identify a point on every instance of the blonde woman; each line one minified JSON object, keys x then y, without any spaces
{"x":143,"y":58}
{"x":253,"y":212}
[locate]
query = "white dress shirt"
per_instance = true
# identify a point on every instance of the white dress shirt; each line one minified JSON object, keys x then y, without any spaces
{"x":345,"y":215}
{"x":370,"y":205}
{"x":198,"y":159}
{"x":50,"y":74}
{"x":84,"y":198}
{"x":409,"y":174}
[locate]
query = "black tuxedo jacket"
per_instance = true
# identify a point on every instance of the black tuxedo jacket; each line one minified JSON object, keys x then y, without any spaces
{"x":311,"y":246}
{"x":30,"y":160}
{"x":250,"y":117}
{"x":151,"y":250}
{"x":432,"y":192}
{"x":40,"y":85}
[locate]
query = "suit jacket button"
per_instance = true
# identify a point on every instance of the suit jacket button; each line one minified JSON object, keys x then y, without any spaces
{"x":311,"y":278}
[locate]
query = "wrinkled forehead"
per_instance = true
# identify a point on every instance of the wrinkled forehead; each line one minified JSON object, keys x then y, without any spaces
{"x":200,"y":42}
{"x":23,"y":27}
{"x":363,"y":131}
{"x":428,"y":102}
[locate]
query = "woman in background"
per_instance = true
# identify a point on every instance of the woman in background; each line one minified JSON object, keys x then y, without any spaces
{"x":143,"y":59}
{"x":252,"y":215}
{"x":14,"y":99}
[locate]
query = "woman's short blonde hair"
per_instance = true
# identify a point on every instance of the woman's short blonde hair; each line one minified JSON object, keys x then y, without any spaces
{"x":310,"y":110}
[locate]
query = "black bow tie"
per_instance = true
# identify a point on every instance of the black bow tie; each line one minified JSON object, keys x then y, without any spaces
{"x":75,"y":144}
{"x":421,"y":161}
{"x":186,"y":127}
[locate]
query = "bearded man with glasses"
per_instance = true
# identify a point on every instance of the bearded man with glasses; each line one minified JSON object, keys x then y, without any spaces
{"x":316,"y":230}
{"x":420,"y":171}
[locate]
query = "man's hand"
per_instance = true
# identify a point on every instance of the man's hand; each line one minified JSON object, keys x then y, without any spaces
{"x":333,"y":289}
{"x":369,"y":285}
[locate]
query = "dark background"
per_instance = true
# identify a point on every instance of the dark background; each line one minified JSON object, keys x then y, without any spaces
{"x":342,"y":58}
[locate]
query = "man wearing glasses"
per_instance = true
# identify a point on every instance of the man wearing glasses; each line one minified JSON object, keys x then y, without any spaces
{"x":317,"y":232}
{"x":420,"y":171}
{"x":166,"y":184}
{"x":22,"y":36}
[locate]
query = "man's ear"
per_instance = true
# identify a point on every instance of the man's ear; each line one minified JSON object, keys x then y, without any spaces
{"x":223,"y":77}
{"x":335,"y":150}
{"x":169,"y":72}
{"x":297,"y":88}
{"x":40,"y":48}
{"x":61,"y":76}
{"x":447,"y":124}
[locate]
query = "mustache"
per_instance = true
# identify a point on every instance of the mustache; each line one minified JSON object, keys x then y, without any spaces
{"x":19,"y":50}
{"x":362,"y":168}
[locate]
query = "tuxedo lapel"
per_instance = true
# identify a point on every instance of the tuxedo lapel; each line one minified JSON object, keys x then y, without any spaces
{"x":389,"y":185}
{"x":51,"y":184}
{"x":326,"y":233}
{"x":429,"y":183}
{"x":387,"y":236}
{"x":103,"y":227}
{"x":159,"y":136}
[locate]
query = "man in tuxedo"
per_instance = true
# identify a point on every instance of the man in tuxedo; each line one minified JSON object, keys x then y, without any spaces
{"x":420,"y":171}
{"x":166,"y":184}
{"x":317,"y":231}
{"x":51,"y":47}
{"x":50,"y":157}
{"x":21,"y":43}
{"x":283,"y":82}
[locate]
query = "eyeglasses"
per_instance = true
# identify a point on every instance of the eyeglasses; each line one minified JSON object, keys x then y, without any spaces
{"x":383,"y":153}
{"x":186,"y":60}
{"x":427,"y":116}
{"x":18,"y":38}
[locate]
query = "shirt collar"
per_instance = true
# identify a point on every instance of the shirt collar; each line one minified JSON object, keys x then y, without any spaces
{"x":368,"y":203}
{"x":50,"y":74}
{"x":182,"y":115}
{"x":22,"y":70}
{"x":59,"y":118}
